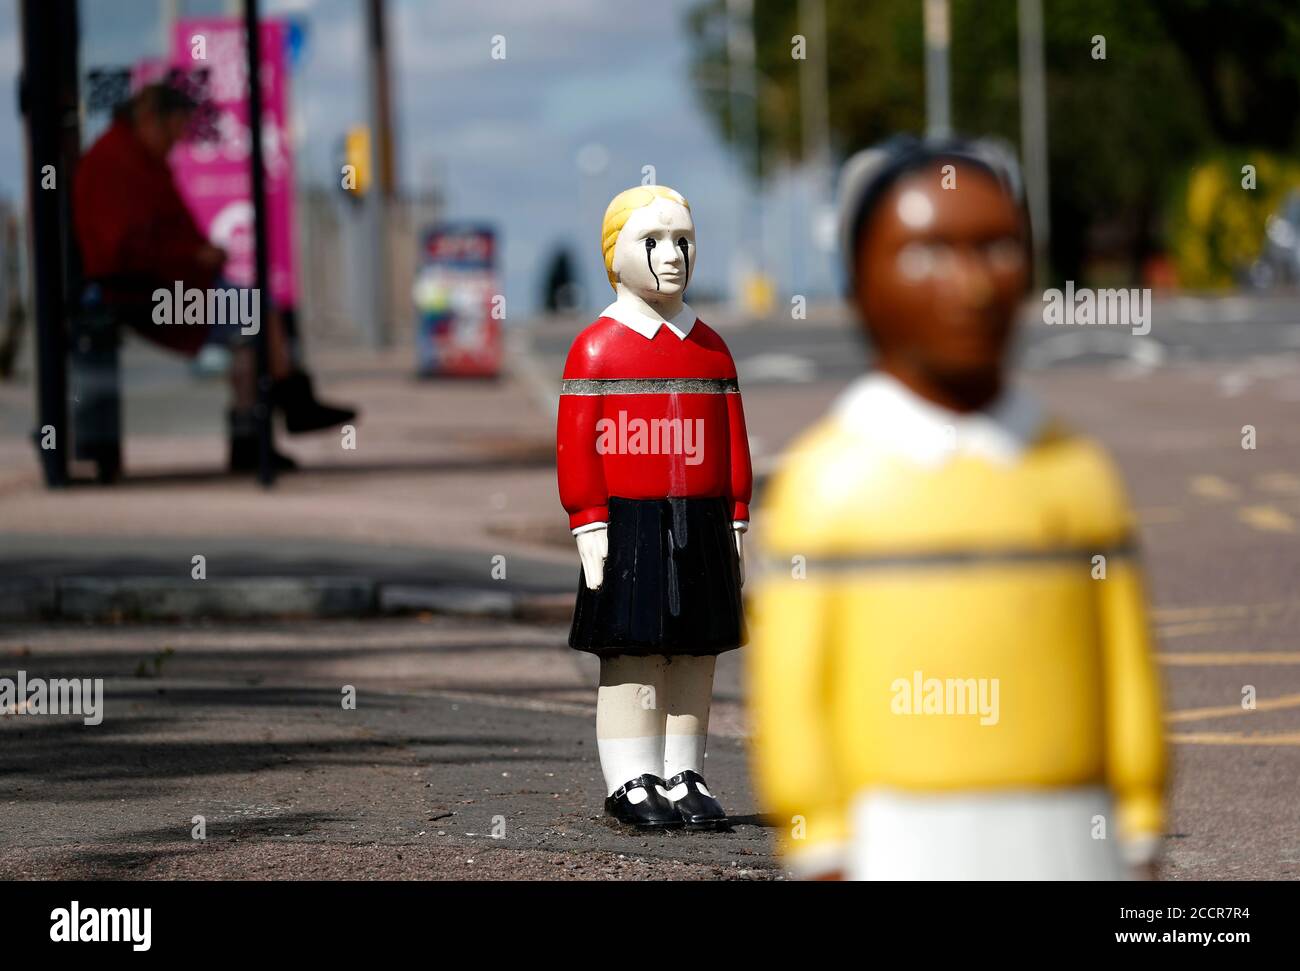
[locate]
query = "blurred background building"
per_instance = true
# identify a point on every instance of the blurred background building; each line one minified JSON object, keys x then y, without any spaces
{"x":530,"y":118}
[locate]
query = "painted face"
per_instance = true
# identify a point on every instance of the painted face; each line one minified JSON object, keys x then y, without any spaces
{"x":655,"y":253}
{"x":941,"y":272}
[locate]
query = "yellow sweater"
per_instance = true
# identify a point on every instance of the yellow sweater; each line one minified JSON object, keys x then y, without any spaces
{"x":974,"y":581}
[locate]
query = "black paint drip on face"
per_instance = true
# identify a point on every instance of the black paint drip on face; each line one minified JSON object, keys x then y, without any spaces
{"x":686,"y":257}
{"x":649,"y":247}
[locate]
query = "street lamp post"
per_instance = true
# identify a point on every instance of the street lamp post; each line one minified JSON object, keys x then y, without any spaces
{"x":938,"y":106}
{"x":382,"y":170}
{"x":742,"y":81}
{"x":262,"y":409}
{"x":49,"y":102}
{"x":1033,"y":131}
{"x":815,"y":126}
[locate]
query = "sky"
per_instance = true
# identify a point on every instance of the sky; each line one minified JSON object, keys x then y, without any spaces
{"x":501,"y":137}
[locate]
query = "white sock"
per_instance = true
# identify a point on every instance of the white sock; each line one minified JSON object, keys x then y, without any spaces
{"x":689,"y":687}
{"x":682,"y":752}
{"x":623,"y":759}
{"x":630,"y":720}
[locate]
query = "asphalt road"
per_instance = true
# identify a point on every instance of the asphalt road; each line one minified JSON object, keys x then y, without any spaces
{"x":469,"y":755}
{"x":826,"y":347}
{"x":463,"y":726}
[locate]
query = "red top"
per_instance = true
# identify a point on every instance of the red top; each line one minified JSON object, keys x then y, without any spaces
{"x":130,"y":218}
{"x":650,"y":417}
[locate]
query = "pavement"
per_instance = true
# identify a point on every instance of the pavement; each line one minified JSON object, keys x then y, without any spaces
{"x":431,"y":569}
{"x":446,"y":502}
{"x":469,"y":755}
{"x":105,"y":578}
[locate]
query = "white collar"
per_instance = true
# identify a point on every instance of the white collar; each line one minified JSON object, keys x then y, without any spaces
{"x":634,"y":316}
{"x":883,"y":410}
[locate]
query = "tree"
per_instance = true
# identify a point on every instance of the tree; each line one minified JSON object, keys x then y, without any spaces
{"x":1179,"y":78}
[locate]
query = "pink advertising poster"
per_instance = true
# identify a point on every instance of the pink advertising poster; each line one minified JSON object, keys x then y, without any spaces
{"x":213,"y":176}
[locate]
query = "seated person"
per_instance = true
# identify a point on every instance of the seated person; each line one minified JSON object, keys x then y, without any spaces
{"x":136,"y":235}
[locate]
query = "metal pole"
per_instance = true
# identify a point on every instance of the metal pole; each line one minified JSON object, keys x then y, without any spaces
{"x":382,"y":182}
{"x":262,"y":409}
{"x":385,"y":168}
{"x":1033,"y":132}
{"x":742,"y":69}
{"x":46,"y":29}
{"x":814,"y":90}
{"x":938,"y":107}
{"x":69,"y":117}
{"x":815,"y":125}
{"x":168,"y":16}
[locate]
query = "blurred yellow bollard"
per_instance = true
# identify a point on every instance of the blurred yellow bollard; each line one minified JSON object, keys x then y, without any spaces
{"x":757,"y":295}
{"x":356,"y":158}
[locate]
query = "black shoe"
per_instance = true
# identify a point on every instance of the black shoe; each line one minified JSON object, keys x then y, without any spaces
{"x":244,"y":456}
{"x":652,"y":812}
{"x":296,"y":400}
{"x":695,"y":806}
{"x":244,"y":445}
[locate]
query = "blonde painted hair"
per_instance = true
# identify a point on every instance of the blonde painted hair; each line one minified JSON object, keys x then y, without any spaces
{"x":621,"y":208}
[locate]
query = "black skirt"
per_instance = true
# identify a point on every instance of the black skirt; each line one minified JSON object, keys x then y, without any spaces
{"x":671,"y":583}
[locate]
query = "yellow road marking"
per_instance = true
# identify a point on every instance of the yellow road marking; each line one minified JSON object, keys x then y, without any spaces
{"x":1183,"y":630}
{"x":1269,"y":519}
{"x":1228,"y":711}
{"x":1212,"y":487}
{"x":1166,"y":614}
{"x":1234,"y":738}
{"x":1228,"y":658}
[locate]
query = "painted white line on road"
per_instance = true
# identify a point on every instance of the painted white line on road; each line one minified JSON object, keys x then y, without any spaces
{"x":777,"y":366}
{"x":1143,"y":353}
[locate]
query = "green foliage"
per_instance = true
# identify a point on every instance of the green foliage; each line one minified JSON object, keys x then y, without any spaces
{"x":1216,"y":224}
{"x":1180,"y":78}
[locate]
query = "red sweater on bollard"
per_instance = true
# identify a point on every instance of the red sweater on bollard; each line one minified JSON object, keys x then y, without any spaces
{"x":650,"y":418}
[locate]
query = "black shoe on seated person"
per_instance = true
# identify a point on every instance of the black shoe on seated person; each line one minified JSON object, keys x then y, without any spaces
{"x":242,"y":429}
{"x":297,"y":401}
{"x":244,"y":456}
